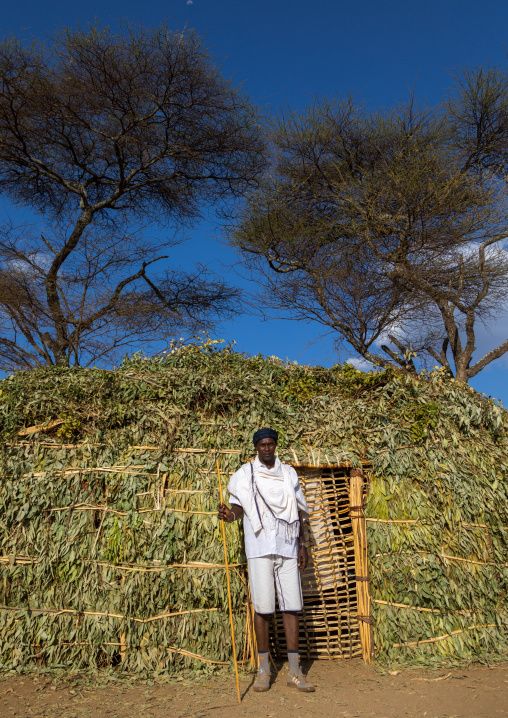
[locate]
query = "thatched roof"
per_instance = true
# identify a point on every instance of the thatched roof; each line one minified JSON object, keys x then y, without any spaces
{"x":75,"y":439}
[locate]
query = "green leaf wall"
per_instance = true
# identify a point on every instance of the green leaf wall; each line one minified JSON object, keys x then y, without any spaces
{"x":79,"y":583}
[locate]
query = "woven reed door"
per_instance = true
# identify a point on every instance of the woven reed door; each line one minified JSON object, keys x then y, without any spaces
{"x":328,"y":625}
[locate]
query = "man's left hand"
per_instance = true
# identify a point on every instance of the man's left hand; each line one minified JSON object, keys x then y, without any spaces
{"x":303,"y":558}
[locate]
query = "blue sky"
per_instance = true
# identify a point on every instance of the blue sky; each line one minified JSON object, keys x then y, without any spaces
{"x":284,"y":52}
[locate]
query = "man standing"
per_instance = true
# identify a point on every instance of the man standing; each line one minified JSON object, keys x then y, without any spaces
{"x":267,"y":493}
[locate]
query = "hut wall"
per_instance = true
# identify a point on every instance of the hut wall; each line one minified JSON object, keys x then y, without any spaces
{"x":110,"y":551}
{"x":116,"y":562}
{"x":439,"y":567}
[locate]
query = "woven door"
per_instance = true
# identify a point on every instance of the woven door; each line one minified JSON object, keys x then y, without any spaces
{"x":328,"y":625}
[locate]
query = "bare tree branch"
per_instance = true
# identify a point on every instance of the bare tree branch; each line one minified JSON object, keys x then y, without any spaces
{"x":97,"y":130}
{"x":382,"y":227}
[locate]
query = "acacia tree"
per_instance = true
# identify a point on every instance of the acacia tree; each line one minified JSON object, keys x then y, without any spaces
{"x":102,"y":134}
{"x":378,"y":226}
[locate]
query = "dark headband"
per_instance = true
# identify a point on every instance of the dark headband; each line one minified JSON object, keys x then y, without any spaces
{"x":265,"y":434}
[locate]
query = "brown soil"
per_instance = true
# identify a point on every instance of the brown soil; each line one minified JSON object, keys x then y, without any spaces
{"x":343,"y":690}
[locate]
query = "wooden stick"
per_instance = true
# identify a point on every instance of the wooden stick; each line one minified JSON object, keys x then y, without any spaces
{"x":438,"y":610}
{"x":40,"y":427}
{"x":423,"y":523}
{"x":73,"y":612}
{"x":27,"y":560}
{"x":359,"y":529}
{"x":254,"y":646}
{"x":443,"y":638}
{"x":393,"y":521}
{"x":121,"y":645}
{"x":87,"y":507}
{"x":229,"y":590}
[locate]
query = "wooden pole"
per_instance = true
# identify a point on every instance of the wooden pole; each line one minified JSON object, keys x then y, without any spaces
{"x":359,"y":526}
{"x":229,"y":591}
{"x":252,"y":632}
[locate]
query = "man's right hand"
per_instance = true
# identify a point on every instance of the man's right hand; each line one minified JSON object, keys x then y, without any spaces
{"x":224,"y":513}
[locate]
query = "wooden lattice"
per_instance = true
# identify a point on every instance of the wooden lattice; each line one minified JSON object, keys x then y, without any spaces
{"x":328,"y":624}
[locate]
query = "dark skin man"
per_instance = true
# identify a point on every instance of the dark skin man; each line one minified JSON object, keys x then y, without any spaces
{"x":266,"y":453}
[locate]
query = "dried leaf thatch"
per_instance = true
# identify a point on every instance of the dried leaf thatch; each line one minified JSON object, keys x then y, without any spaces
{"x":110,"y":546}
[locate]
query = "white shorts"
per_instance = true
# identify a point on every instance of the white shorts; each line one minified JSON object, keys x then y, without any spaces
{"x":266,"y":571}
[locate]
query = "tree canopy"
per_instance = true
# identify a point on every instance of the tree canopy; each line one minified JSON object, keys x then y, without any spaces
{"x":103,"y":133}
{"x":386,"y":227}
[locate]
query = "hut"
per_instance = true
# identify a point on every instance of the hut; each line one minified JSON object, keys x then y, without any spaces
{"x":111,"y":552}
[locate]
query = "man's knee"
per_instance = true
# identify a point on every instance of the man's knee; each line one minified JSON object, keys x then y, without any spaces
{"x":264,"y":616}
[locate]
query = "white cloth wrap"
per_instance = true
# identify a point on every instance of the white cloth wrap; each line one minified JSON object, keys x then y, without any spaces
{"x":271,"y":498}
{"x":267,"y":573}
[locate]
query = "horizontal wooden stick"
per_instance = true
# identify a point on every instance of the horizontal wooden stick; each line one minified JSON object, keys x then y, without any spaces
{"x":173,"y":491}
{"x":443,"y":638}
{"x":340,"y":465}
{"x":172,"y":649}
{"x":470,"y":560}
{"x":52,"y":444}
{"x":444,"y":555}
{"x":482,"y":526}
{"x":393,"y":521}
{"x":335,"y":463}
{"x":128,"y":567}
{"x":212,"y":452}
{"x":155,"y":569}
{"x":57,"y":422}
{"x":403,"y":605}
{"x":71,"y":611}
{"x":188,"y":564}
{"x":107,"y":509}
{"x":406,"y":446}
{"x":90,"y":470}
{"x":127,"y":470}
{"x":418,"y":521}
{"x":437,"y":610}
{"x":191,"y":450}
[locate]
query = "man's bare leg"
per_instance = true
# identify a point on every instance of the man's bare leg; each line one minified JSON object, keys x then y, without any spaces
{"x":290,"y":619}
{"x":296,"y":677}
{"x":262,"y":630}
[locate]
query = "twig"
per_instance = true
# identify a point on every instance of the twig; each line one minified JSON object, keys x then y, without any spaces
{"x":70,"y":611}
{"x":98,"y":532}
{"x":442,"y":638}
{"x":433,"y":680}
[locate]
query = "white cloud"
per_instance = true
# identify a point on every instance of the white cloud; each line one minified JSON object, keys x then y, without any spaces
{"x":42,"y":260}
{"x":491,"y":336}
{"x":360,"y":363}
{"x":396,"y":330}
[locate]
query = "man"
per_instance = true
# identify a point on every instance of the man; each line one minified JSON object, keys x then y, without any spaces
{"x":267,"y":493}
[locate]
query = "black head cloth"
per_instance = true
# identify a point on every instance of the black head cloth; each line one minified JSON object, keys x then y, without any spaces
{"x":265,"y":434}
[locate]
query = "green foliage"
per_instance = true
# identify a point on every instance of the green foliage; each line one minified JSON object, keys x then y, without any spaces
{"x":354,"y":381}
{"x":300,"y":388}
{"x":439,"y":457}
{"x":423,"y":418}
{"x":70,"y":427}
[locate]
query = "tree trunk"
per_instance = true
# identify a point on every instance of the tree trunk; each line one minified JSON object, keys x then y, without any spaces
{"x":461,"y":373}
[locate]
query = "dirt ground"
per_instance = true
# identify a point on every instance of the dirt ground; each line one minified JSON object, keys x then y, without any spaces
{"x":343,"y":690}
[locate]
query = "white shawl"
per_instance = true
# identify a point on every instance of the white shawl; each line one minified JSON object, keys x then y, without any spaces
{"x":267,"y":496}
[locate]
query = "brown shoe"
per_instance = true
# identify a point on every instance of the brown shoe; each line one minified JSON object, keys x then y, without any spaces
{"x":299,"y":681}
{"x":262,"y":683}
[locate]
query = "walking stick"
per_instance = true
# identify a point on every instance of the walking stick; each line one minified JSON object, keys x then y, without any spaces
{"x":229,"y":590}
